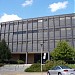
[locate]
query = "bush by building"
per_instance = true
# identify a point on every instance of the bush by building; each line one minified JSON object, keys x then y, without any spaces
{"x":1,"y":64}
{"x":5,"y":53}
{"x":48,"y":65}
{"x":34,"y":68}
{"x":63,"y":51}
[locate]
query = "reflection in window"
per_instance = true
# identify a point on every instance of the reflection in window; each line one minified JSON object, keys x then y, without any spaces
{"x":30,"y":26}
{"x":35,"y":45}
{"x":51,"y":23}
{"x":30,"y":46}
{"x":73,"y":21}
{"x":62,"y":22}
{"x":7,"y":28}
{"x":57,"y":34}
{"x":15,"y":28}
{"x":40,"y":20}
{"x":69,"y":33}
{"x":10,"y":46}
{"x":11,"y":28}
{"x":63,"y":33}
{"x":2,"y":36}
{"x":3,"y":28}
{"x":15,"y":38}
{"x":24,"y":47}
{"x":14,"y":46}
{"x":51,"y":44}
{"x":56,"y":20}
{"x":6,"y":37}
{"x":10,"y":37}
{"x":20,"y":27}
{"x":68,"y":22}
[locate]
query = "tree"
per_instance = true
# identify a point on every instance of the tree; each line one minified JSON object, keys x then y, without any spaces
{"x":5,"y":53}
{"x":63,"y":51}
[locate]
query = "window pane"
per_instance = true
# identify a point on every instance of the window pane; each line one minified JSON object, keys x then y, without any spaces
{"x":24,"y":47}
{"x":68,"y":22}
{"x":56,"y":20}
{"x":63,"y":33}
{"x":62,"y":22}
{"x":69,"y":33}
{"x":51,"y":23}
{"x":73,"y":21}
{"x":35,"y":46}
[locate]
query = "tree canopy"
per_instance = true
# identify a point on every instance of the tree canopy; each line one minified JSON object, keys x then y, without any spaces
{"x":63,"y":51}
{"x":5,"y":53}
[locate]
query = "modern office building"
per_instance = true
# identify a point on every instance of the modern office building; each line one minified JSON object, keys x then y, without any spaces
{"x":24,"y":37}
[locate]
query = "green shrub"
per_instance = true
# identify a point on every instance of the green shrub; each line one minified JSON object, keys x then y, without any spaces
{"x":1,"y":64}
{"x":71,"y":65}
{"x":34,"y":68}
{"x":59,"y":62}
{"x":20,"y":61}
{"x":48,"y":65}
{"x":13,"y":61}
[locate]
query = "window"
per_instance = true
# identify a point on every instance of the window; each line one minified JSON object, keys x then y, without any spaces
{"x":73,"y":21}
{"x":35,"y":45}
{"x":30,"y":46}
{"x":7,"y":28}
{"x":11,"y":28}
{"x":51,"y":23}
{"x":20,"y":26}
{"x":3,"y":28}
{"x":56,"y":20}
{"x":68,"y":22}
{"x":34,"y":24}
{"x":69,"y":33}
{"x":63,"y":33}
{"x":57,"y":34}
{"x":62,"y":22}
{"x":14,"y":46}
{"x":15,"y":28}
{"x":40,"y":23}
{"x":45,"y":23}
{"x":24,"y":47}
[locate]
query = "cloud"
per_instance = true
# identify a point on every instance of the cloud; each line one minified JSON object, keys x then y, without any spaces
{"x":7,"y":17}
{"x":56,"y":6}
{"x":27,"y":2}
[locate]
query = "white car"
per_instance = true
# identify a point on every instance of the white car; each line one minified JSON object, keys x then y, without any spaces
{"x":61,"y":70}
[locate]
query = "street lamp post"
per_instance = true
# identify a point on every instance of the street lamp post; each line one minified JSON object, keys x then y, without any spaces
{"x":41,"y":55}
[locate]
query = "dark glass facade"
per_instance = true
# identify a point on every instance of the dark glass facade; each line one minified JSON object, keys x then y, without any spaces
{"x":25,"y":36}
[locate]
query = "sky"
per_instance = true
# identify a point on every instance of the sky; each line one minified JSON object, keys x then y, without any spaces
{"x":23,"y":9}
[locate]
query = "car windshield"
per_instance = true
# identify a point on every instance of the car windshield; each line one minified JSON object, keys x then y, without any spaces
{"x":65,"y":67}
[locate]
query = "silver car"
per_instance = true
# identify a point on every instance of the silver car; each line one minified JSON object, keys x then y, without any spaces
{"x":61,"y":70}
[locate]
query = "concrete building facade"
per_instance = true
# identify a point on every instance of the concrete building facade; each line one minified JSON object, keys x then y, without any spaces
{"x":24,"y":37}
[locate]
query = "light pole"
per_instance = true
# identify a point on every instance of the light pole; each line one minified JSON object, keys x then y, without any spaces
{"x":41,"y":55}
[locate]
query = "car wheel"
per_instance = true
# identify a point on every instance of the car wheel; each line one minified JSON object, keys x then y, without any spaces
{"x":48,"y":73}
{"x":59,"y":74}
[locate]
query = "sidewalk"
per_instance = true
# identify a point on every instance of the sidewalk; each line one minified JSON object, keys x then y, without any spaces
{"x":23,"y":73}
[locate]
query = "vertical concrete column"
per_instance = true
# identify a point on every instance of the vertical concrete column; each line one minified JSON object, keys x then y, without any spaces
{"x":48,"y":55}
{"x":26,"y":57}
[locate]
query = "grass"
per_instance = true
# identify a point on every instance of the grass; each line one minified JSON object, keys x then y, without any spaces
{"x":71,"y":65}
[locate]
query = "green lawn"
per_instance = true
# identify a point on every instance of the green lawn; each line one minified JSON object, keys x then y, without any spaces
{"x":71,"y":65}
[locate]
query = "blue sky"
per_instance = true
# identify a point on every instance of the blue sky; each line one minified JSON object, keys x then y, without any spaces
{"x":23,"y":9}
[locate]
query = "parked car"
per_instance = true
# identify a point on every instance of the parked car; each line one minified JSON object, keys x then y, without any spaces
{"x":61,"y":70}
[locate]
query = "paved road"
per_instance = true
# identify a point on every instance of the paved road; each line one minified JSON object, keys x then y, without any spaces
{"x":23,"y":73}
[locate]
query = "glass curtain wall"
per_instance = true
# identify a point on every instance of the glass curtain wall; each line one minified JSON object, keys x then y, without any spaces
{"x":27,"y":35}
